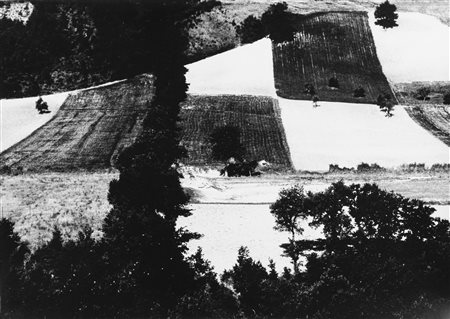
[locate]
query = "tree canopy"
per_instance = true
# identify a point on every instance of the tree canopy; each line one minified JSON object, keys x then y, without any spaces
{"x":386,"y":15}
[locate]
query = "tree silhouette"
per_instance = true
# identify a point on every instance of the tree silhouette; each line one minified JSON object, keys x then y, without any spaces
{"x":385,"y":15}
{"x":226,"y":143}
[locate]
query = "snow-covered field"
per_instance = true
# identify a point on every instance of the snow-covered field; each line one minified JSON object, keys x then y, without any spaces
{"x":228,"y":227}
{"x":19,"y":117}
{"x":417,"y":50}
{"x":245,"y":70}
{"x":334,"y":133}
{"x":348,"y":134}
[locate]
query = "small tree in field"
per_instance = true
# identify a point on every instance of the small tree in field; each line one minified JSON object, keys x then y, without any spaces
{"x":386,"y":16}
{"x":226,"y":143}
{"x":384,"y":101}
{"x":289,"y":210}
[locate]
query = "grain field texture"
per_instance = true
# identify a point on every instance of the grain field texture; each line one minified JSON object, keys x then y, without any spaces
{"x":92,"y":128}
{"x":258,"y":118}
{"x":433,"y":118}
{"x":326,"y":45}
{"x":89,"y":131}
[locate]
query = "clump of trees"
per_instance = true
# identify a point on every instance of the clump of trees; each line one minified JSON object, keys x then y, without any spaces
{"x":422,"y":93}
{"x":275,"y":22}
{"x":386,"y":15}
{"x":226,"y":143}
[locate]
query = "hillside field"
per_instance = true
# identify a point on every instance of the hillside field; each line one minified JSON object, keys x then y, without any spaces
{"x":93,"y":126}
{"x":89,"y":131}
{"x":337,"y":44}
{"x":258,"y":118}
{"x":71,"y":201}
{"x":433,"y":118}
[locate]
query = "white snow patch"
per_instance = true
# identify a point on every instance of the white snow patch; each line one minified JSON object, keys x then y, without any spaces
{"x":416,"y":50}
{"x":225,"y":228}
{"x":19,"y":117}
{"x":247,"y":69}
{"x":228,"y":227}
{"x":348,"y":134}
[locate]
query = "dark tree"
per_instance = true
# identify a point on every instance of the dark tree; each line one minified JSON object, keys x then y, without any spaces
{"x":12,"y":253}
{"x":315,"y":100}
{"x":333,"y":83}
{"x":247,"y":278}
{"x":385,"y":15}
{"x":289,"y":212}
{"x":309,"y":89}
{"x":359,"y":92}
{"x":384,"y":101}
{"x":251,"y":30}
{"x":226,"y":143}
{"x":422,"y":93}
{"x":379,"y":254}
{"x":277,"y":22}
{"x":447,"y":98}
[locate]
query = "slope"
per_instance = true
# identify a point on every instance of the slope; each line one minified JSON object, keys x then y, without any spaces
{"x":89,"y":130}
{"x":336,"y":44}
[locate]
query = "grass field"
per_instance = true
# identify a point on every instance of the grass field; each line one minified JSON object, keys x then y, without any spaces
{"x":258,"y":118}
{"x":89,"y":130}
{"x":337,"y":44}
{"x":38,"y":203}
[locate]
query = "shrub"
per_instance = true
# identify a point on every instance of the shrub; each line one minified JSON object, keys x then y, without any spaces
{"x":359,"y":92}
{"x":422,"y":93}
{"x":333,"y":83}
{"x":447,"y":98}
{"x":251,"y":30}
{"x":386,"y":104}
{"x":277,"y":22}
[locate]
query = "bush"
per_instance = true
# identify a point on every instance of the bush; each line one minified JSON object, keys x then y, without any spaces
{"x":277,"y":22}
{"x":333,"y":83}
{"x":359,"y":92}
{"x":226,"y":143}
{"x":422,"y":93}
{"x":251,"y":30}
{"x":447,"y":98}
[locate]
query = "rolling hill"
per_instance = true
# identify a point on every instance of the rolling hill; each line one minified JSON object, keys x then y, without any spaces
{"x":93,"y":126}
{"x":336,"y":44}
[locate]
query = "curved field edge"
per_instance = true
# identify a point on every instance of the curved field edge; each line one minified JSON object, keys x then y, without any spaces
{"x":434,"y":118}
{"x":326,"y":45}
{"x":89,"y":130}
{"x":92,"y":127}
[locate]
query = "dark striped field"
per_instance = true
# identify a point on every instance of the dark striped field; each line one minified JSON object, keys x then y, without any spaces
{"x":89,"y":131}
{"x":92,"y":127}
{"x":258,"y":118}
{"x":433,"y":118}
{"x":335,"y":44}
